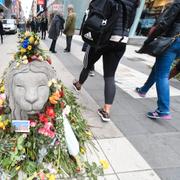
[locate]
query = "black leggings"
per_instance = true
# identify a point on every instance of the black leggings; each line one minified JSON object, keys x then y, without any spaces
{"x":112,"y":54}
{"x":1,"y":39}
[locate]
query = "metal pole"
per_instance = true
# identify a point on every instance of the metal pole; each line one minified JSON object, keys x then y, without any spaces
{"x":137,"y":19}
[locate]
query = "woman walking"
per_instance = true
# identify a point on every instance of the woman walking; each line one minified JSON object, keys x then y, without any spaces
{"x":167,"y":25}
{"x":112,"y":54}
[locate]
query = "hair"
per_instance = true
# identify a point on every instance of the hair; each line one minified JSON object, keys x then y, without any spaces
{"x":35,"y":66}
{"x":70,"y":6}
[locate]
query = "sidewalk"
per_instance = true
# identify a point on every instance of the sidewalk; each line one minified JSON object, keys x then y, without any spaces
{"x":156,"y":141}
{"x":135,"y":147}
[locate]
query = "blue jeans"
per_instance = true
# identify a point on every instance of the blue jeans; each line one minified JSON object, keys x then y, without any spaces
{"x":160,"y":76}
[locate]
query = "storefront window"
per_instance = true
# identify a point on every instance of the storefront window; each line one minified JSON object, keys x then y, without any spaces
{"x":152,"y":10}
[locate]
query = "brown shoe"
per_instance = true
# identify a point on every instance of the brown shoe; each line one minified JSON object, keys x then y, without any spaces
{"x":76,"y":86}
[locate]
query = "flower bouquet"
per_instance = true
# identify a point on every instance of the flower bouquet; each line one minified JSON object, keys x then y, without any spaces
{"x":55,"y":144}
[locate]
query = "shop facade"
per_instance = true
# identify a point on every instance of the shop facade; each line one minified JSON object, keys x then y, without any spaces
{"x":147,"y":14}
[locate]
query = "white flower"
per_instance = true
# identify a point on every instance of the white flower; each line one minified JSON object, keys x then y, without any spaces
{"x":40,"y":58}
{"x":67,"y":110}
{"x":25,"y":61}
{"x":24,"y":57}
{"x":17,"y":64}
{"x":54,"y":81}
{"x":49,"y":83}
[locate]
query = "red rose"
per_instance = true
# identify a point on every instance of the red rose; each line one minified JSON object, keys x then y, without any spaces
{"x":43,"y":118}
{"x":50,"y":112}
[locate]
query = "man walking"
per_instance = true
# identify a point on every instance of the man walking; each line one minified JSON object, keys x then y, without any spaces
{"x":69,"y":27}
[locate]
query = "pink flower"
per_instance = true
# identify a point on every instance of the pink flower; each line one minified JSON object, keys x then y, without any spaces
{"x":46,"y":130}
{"x":33,"y":123}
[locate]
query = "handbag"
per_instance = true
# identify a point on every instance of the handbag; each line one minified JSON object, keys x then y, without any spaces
{"x":157,"y":46}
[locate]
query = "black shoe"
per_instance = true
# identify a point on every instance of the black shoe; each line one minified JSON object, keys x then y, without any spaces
{"x":66,"y":51}
{"x":53,"y":51}
{"x":104,"y":115}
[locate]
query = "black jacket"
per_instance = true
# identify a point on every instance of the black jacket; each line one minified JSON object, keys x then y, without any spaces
{"x":131,"y":6}
{"x":168,"y":23}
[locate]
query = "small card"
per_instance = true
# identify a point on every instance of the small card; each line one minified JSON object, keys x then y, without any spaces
{"x":21,"y":125}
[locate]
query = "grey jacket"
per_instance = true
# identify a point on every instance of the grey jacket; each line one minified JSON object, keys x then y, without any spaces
{"x":55,"y":27}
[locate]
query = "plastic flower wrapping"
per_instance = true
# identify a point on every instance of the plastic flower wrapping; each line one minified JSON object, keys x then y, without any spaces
{"x":55,"y":147}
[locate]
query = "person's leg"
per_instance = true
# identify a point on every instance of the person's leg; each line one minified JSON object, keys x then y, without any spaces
{"x":163,"y":64}
{"x":90,"y":58}
{"x":53,"y":45}
{"x":66,"y":43}
{"x":1,"y":39}
{"x":69,"y":39}
{"x":42,"y":34}
{"x":45,"y":34}
{"x":110,"y":62}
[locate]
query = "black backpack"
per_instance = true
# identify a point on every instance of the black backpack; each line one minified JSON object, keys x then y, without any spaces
{"x":97,"y":26}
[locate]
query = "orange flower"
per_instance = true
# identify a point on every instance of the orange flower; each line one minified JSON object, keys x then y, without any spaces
{"x":54,"y":98}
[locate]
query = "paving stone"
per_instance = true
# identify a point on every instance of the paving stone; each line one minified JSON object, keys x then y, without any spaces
{"x":139,"y":175}
{"x":169,"y":174}
{"x":122,"y":155}
{"x":128,"y":125}
{"x":156,"y":151}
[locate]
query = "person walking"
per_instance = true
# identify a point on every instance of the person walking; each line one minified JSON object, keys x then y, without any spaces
{"x":112,"y":53}
{"x":167,"y":25}
{"x":69,"y":27}
{"x":54,"y":31}
{"x":34,"y":25}
{"x":1,"y":31}
{"x":44,"y":26}
{"x":85,"y":48}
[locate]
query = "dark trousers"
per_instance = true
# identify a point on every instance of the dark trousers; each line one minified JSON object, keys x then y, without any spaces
{"x":1,"y":39}
{"x":68,"y":43}
{"x":112,"y":54}
{"x":53,"y":44}
{"x":43,"y":36}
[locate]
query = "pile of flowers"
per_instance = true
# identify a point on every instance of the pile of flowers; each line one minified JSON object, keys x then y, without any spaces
{"x":29,"y":49}
{"x":42,"y":153}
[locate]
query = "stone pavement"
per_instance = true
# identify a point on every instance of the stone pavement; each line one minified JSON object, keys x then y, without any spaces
{"x":135,"y":147}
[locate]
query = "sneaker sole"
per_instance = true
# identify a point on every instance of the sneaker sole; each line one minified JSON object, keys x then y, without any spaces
{"x":76,"y":89}
{"x":152,"y":117}
{"x":104,"y":119}
{"x":141,"y":95}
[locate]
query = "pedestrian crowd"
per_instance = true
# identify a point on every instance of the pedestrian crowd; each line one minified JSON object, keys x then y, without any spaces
{"x":111,"y":44}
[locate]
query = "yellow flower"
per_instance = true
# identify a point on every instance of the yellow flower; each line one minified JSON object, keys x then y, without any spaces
{"x":21,"y":40}
{"x":36,"y":42}
{"x":104,"y":164}
{"x":51,"y":177}
{"x":17,"y":168}
{"x":22,"y":50}
{"x":31,"y":40}
{"x":1,"y":103}
{"x":2,"y":89}
{"x":29,"y":47}
{"x":82,"y":150}
{"x":2,"y":125}
{"x":89,"y":134}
